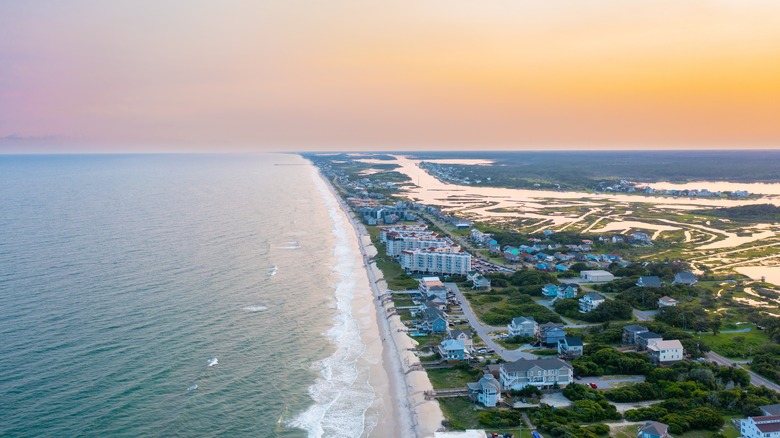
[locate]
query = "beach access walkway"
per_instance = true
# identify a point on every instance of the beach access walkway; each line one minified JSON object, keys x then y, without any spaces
{"x":484,"y":330}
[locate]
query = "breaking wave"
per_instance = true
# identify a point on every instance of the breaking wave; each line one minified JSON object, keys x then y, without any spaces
{"x":341,"y":393}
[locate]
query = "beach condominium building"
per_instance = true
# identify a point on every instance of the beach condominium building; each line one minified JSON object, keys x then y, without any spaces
{"x":402,"y":229}
{"x":449,"y":261}
{"x":397,"y":242}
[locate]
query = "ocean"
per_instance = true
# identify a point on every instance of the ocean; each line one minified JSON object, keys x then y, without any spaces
{"x":176,"y":295}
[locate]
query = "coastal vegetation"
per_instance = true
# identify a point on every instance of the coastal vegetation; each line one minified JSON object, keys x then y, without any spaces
{"x":722,"y":312}
{"x":756,"y":213}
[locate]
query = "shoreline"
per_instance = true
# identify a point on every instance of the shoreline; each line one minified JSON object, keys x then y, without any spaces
{"x":407,"y":411}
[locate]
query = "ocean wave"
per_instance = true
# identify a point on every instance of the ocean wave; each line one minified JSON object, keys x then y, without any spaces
{"x":255,"y":308}
{"x":272,"y":271}
{"x":341,"y":394}
{"x":213,"y":361}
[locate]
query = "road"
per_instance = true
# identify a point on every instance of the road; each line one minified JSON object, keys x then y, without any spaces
{"x":484,"y":330}
{"x":755,"y":379}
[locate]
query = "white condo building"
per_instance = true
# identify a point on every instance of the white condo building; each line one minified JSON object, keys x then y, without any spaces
{"x":397,"y":242}
{"x":403,"y":230}
{"x":449,"y":260}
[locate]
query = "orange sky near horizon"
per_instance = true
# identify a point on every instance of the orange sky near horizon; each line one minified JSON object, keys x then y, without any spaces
{"x":348,"y":74}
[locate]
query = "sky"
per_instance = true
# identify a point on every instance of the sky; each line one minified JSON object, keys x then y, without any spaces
{"x":195,"y":75}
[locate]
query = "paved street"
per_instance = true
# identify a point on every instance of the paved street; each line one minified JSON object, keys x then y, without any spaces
{"x":755,"y":379}
{"x":484,"y":330}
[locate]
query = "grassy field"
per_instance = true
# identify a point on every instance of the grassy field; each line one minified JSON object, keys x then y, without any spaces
{"x":451,"y":378}
{"x":736,"y":345}
{"x":462,"y":414}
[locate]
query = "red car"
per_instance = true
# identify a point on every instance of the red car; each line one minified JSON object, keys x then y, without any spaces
{"x":593,"y":385}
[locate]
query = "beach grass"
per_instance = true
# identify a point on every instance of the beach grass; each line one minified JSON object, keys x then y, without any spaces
{"x":460,"y":413}
{"x":727,"y":343}
{"x":450,"y":378}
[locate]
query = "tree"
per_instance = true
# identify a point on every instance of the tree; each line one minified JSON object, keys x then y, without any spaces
{"x":715,"y":326}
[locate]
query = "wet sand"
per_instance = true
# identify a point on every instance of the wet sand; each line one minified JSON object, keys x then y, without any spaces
{"x":400,"y":402}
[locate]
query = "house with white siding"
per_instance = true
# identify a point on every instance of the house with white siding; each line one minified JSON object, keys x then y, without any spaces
{"x":448,"y":260}
{"x":662,"y":352}
{"x":486,"y":391}
{"x":590,"y":301}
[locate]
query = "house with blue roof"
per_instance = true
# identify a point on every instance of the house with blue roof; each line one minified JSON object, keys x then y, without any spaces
{"x":452,"y":350}
{"x":561,"y":267}
{"x":550,"y":290}
{"x":542,"y":266}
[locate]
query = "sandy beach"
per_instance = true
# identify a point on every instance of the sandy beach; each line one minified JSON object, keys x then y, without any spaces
{"x":400,"y":402}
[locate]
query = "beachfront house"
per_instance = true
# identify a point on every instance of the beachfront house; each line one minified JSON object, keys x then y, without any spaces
{"x":433,"y":321}
{"x":463,"y":336}
{"x":550,"y":334}
{"x":542,"y":373}
{"x":432,"y":286}
{"x":685,"y":278}
{"x":486,"y":391}
{"x":667,"y":302}
{"x":767,"y":426}
{"x":452,"y":350}
{"x":649,"y":281}
{"x":570,"y":347}
{"x":590,"y":301}
{"x":522,"y":326}
{"x":653,"y":429}
{"x":662,"y":352}
{"x":630,"y":333}
{"x":596,"y":276}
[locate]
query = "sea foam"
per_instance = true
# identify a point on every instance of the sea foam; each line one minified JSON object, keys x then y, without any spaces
{"x":255,"y":308}
{"x":341,"y":393}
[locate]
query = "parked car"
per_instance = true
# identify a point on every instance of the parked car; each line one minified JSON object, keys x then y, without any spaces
{"x":593,"y":385}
